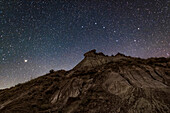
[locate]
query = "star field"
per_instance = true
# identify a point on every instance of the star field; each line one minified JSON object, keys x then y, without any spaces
{"x":39,"y":35}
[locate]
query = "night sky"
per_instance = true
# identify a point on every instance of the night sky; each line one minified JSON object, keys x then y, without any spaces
{"x":39,"y":35}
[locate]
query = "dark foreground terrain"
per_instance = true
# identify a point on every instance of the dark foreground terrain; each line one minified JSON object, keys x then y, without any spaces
{"x":98,"y":84}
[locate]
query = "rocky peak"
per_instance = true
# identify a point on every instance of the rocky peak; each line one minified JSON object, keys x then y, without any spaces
{"x":94,"y":59}
{"x":93,"y":53}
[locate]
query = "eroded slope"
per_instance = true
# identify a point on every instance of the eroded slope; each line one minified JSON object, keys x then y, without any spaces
{"x":112,"y":84}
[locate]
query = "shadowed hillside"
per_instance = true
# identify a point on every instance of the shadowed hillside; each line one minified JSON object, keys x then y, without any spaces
{"x":98,"y":84}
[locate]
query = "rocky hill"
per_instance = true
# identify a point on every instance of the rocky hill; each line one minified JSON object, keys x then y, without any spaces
{"x":98,"y":84}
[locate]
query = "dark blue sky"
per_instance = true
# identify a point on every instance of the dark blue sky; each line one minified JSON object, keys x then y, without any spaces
{"x":36,"y":36}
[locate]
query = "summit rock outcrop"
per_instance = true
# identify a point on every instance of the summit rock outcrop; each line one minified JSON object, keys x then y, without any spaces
{"x":98,"y":84}
{"x":93,"y":59}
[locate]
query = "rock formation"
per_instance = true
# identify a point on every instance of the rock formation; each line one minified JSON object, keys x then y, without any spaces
{"x":98,"y":84}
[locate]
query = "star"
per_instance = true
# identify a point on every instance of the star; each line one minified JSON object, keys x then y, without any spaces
{"x":25,"y":61}
{"x":29,"y":38}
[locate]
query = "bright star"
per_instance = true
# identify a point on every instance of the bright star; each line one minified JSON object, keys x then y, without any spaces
{"x":25,"y":61}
